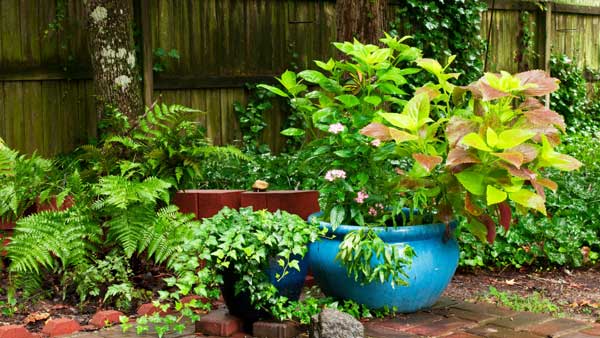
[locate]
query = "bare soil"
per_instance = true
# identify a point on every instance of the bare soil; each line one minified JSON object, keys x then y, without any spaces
{"x":575,"y":292}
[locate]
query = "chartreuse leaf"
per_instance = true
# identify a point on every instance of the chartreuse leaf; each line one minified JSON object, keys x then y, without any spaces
{"x":513,"y":137}
{"x":549,"y":157}
{"x":273,"y":90}
{"x":349,"y":101}
{"x":418,"y":109}
{"x":528,"y":199}
{"x":312,"y":76}
{"x":473,"y":140}
{"x":492,"y":137}
{"x":374,"y":100}
{"x":472,"y":181}
{"x":326,"y":66}
{"x":431,"y":66}
{"x":398,"y":120}
{"x":494,"y":195}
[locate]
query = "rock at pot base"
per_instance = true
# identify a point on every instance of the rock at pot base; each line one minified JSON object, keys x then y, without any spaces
{"x":335,"y":324}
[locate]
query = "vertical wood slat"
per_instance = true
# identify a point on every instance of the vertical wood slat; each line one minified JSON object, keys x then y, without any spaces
{"x":147,"y":57}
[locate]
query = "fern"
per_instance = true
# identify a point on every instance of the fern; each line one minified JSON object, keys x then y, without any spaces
{"x":52,"y":239}
{"x":169,"y":229}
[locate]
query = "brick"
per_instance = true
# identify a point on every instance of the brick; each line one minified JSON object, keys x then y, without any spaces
{"x":440,"y":327}
{"x":578,"y":335}
{"x":268,"y":329}
{"x":462,"y":335}
{"x":210,"y":202}
{"x":593,"y":331}
{"x":219,"y":323}
{"x":186,"y":201}
{"x":61,"y":326}
{"x":500,"y":332}
{"x":557,"y":327}
{"x":149,"y":309}
{"x":484,"y":308}
{"x":14,"y":331}
{"x":374,"y":331}
{"x":101,"y":318}
{"x":444,"y":302}
{"x":521,"y":320}
{"x":241,"y":335}
{"x":188,"y":299}
{"x":478,"y":317}
{"x":403,"y":322}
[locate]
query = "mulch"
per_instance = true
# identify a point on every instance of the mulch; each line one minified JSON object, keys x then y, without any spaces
{"x":575,"y":292}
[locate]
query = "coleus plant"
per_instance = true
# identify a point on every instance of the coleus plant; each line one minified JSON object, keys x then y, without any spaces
{"x":381,"y":145}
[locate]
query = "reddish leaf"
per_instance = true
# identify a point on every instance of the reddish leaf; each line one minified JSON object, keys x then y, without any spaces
{"x":427,"y":161}
{"x":548,"y":183}
{"x":377,"y":130}
{"x":513,"y":158}
{"x":538,"y":188}
{"x":523,"y":173}
{"x":490,"y":225}
{"x":458,"y":156}
{"x":544,"y":117}
{"x":531,"y":103}
{"x":549,"y":131}
{"x":528,"y":151}
{"x":505,"y":215}
{"x":432,"y":93}
{"x":457,"y":128}
{"x":470,"y":207}
{"x":544,"y":84}
{"x":482,"y":89}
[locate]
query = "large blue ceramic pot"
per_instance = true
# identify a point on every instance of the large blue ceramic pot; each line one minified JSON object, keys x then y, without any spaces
{"x":430,"y":273}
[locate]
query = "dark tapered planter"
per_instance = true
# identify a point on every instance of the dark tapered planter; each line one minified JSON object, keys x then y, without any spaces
{"x":206,"y":203}
{"x":300,"y":202}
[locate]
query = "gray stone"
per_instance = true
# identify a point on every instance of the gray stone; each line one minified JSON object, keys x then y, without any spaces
{"x":335,"y":324}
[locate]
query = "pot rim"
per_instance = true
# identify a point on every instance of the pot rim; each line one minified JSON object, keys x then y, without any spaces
{"x":392,"y":234}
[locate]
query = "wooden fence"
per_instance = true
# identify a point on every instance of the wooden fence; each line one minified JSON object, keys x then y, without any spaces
{"x":46,"y":101}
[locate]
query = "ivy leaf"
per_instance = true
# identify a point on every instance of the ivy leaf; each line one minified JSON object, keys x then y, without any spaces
{"x":528,"y":199}
{"x":494,"y":195}
{"x":514,"y":137}
{"x":472,"y":181}
{"x":475,"y":141}
{"x":349,"y":101}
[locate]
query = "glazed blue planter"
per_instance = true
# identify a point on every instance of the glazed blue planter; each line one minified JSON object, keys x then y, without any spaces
{"x":430,"y":273}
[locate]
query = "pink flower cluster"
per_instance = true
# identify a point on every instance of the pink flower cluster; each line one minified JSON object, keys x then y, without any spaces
{"x":361,"y":196}
{"x":336,"y":128}
{"x":334,"y":174}
{"x":373,"y":211}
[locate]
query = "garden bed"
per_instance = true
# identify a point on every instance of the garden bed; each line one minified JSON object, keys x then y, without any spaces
{"x":575,"y":293}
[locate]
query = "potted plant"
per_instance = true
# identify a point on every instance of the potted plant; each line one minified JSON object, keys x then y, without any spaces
{"x":259,"y":256}
{"x":400,"y":161}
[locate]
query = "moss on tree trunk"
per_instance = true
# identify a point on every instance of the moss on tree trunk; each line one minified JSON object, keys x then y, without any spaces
{"x":116,"y":79}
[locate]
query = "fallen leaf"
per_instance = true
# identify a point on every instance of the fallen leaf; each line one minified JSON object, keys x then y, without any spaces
{"x":510,"y":282}
{"x":36,"y":316}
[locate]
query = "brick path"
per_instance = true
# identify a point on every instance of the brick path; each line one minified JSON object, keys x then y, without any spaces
{"x":447,"y":318}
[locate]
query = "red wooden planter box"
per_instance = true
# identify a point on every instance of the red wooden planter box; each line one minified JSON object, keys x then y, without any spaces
{"x":299,"y":202}
{"x":206,"y":203}
{"x":51,"y":205}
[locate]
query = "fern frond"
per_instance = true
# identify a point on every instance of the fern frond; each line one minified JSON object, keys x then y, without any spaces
{"x":223,"y":152}
{"x":169,"y":230}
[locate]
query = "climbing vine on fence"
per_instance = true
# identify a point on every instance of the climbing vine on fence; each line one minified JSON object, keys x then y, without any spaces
{"x":443,"y":28}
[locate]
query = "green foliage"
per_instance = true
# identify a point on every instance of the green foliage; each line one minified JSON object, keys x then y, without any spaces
{"x":570,"y":238}
{"x":162,"y":143}
{"x":444,"y":28}
{"x":162,"y":59}
{"x":252,"y":119}
{"x":22,"y":180}
{"x":532,"y":303}
{"x":571,"y":99}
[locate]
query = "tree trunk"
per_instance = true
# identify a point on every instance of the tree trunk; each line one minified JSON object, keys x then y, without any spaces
{"x":111,"y":44}
{"x":360,"y":19}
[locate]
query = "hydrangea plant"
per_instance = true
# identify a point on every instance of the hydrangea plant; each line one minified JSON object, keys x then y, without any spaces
{"x":477,"y":151}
